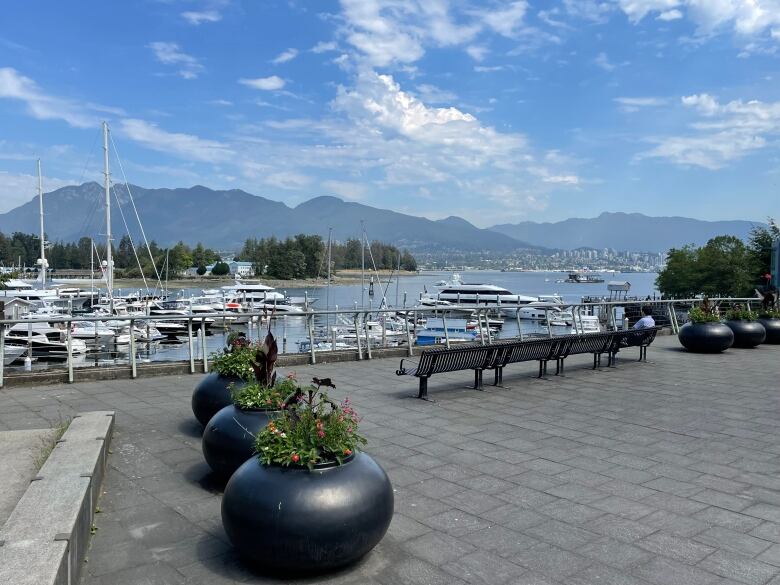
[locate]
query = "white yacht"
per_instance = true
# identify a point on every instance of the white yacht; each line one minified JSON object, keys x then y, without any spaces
{"x":479,"y":295}
{"x":260,"y":297}
{"x":45,"y":340}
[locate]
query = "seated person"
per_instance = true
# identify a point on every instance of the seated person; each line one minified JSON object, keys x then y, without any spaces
{"x":646,"y":320}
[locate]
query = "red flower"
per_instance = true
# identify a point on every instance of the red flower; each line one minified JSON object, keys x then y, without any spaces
{"x":347,"y":451}
{"x":295,"y":457}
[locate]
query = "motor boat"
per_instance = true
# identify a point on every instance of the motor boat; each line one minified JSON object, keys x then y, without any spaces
{"x":11,"y":353}
{"x":46,"y":341}
{"x":463,"y":294}
{"x":92,"y":332}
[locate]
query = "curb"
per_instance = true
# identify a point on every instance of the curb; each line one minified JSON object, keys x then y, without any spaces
{"x":44,"y":541}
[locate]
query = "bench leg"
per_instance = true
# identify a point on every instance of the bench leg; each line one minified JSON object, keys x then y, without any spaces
{"x":477,"y":379}
{"x":595,"y":360}
{"x":559,"y":367}
{"x":423,"y":394}
{"x":642,"y":353}
{"x":497,"y":377}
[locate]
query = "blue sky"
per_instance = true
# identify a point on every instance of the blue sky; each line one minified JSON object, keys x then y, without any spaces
{"x":495,"y":111}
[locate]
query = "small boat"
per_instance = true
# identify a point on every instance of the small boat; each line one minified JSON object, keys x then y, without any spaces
{"x":584,"y":278}
{"x":46,"y":341}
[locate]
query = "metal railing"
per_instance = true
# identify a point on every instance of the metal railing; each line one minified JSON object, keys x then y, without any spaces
{"x":608,"y":311}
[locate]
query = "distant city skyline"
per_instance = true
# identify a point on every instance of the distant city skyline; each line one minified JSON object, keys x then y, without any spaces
{"x":498,"y":112}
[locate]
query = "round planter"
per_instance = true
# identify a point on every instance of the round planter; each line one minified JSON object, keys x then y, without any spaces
{"x":212,"y":395}
{"x":772,"y":327}
{"x":229,"y":438}
{"x":706,"y":337}
{"x":293,"y":519}
{"x":747,"y":334}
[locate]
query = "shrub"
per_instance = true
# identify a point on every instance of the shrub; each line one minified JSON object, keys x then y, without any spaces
{"x":699,"y":315}
{"x":311,"y":429}
{"x":220,"y":269}
{"x":258,"y":396}
{"x":740,"y":314}
{"x":769,"y":313}
{"x":236,"y":359}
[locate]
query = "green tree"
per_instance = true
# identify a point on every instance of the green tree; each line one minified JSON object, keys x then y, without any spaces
{"x":201,"y":270}
{"x":220,"y":269}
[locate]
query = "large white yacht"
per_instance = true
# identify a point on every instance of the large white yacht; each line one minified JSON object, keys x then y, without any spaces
{"x":464,"y":294}
{"x":259,"y":297}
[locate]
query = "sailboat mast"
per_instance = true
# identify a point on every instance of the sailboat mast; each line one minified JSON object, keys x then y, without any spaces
{"x":327,"y":294}
{"x":362,"y":264}
{"x":107,"y":186}
{"x":43,"y":242}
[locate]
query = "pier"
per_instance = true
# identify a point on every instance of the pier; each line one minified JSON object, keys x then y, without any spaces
{"x":658,"y":472}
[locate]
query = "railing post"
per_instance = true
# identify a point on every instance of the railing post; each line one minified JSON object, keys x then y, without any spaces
{"x":204,"y":352}
{"x":487,"y":327}
{"x":69,"y":338}
{"x":479,"y":326}
{"x":132,"y":349}
{"x":189,"y":345}
{"x":2,"y":354}
{"x":670,"y":310}
{"x":368,"y":337}
{"x":547,"y":319}
{"x":357,"y":336}
{"x":408,"y":335}
{"x":519,"y":324}
{"x":310,"y":323}
{"x":446,"y":333}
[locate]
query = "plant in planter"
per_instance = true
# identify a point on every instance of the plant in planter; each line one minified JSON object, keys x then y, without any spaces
{"x":229,"y":437}
{"x":770,"y":319}
{"x":704,"y":333}
{"x":748,"y":332}
{"x":231,"y":367}
{"x":310,"y":501}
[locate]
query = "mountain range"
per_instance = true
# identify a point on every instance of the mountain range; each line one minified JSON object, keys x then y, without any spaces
{"x":625,"y":231}
{"x":225,"y":219}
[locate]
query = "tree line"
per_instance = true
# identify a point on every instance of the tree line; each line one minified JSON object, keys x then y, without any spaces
{"x":302,"y":256}
{"x":305,"y":256}
{"x":24,"y":249}
{"x":724,"y":266}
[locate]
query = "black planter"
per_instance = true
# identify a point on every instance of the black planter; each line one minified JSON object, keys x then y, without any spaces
{"x":747,"y":334}
{"x":772,"y":327}
{"x":706,"y":337}
{"x":229,"y":438}
{"x":212,"y":395}
{"x":293,"y":519}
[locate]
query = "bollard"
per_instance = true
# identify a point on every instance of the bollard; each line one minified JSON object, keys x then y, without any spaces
{"x":357,"y":337}
{"x":310,"y":320}
{"x":446,"y":333}
{"x":368,"y":338}
{"x":408,"y":336}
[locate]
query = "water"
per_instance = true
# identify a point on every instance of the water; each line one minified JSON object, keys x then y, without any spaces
{"x":289,"y":330}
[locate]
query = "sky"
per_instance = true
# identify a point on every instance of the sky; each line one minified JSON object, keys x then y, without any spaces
{"x":495,"y":111}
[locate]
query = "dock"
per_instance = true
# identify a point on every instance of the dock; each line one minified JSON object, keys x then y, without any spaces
{"x":660,"y":472}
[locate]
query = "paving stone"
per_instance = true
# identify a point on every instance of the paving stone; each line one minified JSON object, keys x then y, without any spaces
{"x":455,"y":522}
{"x":623,"y":507}
{"x":723,"y":500}
{"x":437,"y":548}
{"x":552,"y":561}
{"x":731,"y":540}
{"x":562,"y":535}
{"x":500,"y":540}
{"x":570,"y":511}
{"x":484,"y":568}
{"x":728,"y":519}
{"x":764,"y":511}
{"x":738,"y":567}
{"x":663,"y":571}
{"x":614,"y":553}
{"x":599,"y":574}
{"x":675,"y":523}
{"x":675,"y":547}
{"x":620,"y":528}
{"x":771,"y":555}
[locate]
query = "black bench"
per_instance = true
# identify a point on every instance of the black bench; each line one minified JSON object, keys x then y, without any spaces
{"x":498,"y":355}
{"x":438,"y":361}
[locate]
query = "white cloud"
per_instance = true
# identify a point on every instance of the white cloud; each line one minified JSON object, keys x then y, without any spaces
{"x":287,"y":180}
{"x":324,"y":47}
{"x":726,"y":132}
{"x":171,"y":54}
{"x":185,"y":146}
{"x":592,"y":10}
{"x":271,"y":83}
{"x":196,"y":18}
{"x":221,"y":102}
{"x":634,"y":104}
{"x":748,"y":19}
{"x":506,"y":21}
{"x":346,"y":189}
{"x":15,"y":86}
{"x":435,"y":95}
{"x":285,"y":56}
{"x":476,"y":52}
{"x":670,"y":15}
{"x":603,"y":62}
{"x":19,"y":188}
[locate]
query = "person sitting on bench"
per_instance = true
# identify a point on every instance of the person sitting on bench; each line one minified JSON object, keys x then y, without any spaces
{"x":647,"y":318}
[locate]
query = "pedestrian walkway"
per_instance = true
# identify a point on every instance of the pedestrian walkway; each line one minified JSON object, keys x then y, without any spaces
{"x":665,"y":472}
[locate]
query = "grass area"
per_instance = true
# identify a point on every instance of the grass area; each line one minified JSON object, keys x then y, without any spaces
{"x":47,"y":443}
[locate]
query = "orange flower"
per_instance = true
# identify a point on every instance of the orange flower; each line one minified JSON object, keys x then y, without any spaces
{"x":347,"y":451}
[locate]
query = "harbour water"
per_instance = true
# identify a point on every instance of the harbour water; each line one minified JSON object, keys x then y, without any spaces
{"x":399,"y":293}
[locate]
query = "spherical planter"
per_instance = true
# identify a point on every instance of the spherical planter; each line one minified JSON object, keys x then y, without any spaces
{"x":212,"y":395}
{"x":747,"y":334}
{"x":706,"y":337}
{"x":229,"y":438}
{"x":293,"y":519}
{"x":772,"y":327}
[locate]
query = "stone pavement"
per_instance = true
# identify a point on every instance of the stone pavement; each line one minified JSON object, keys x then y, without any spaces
{"x":665,"y":473}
